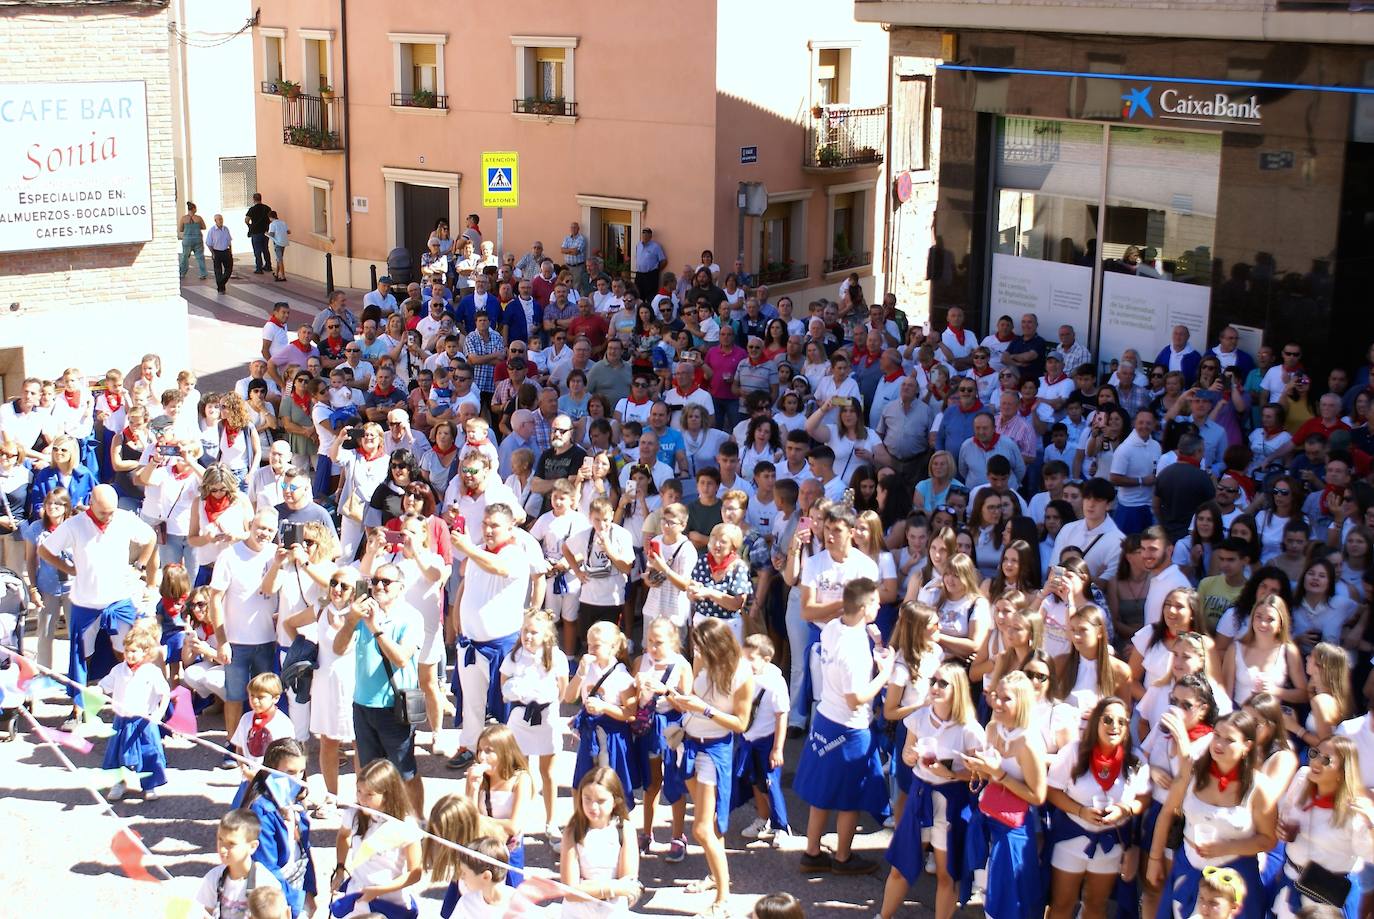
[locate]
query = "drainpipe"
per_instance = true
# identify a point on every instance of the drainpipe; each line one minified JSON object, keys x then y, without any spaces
{"x":348,"y":140}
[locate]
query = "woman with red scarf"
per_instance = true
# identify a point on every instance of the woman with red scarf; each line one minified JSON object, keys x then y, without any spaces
{"x":296,"y":422}
{"x":1228,"y":807}
{"x":363,"y":470}
{"x":1097,"y":786}
{"x":239,"y":447}
{"x":219,"y":517}
{"x":1182,"y":732}
{"x":126,"y":454}
{"x":720,"y":581}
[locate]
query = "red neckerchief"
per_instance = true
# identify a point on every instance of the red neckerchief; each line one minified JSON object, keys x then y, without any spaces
{"x":257,"y":733}
{"x":1190,"y":460}
{"x":180,"y":470}
{"x":131,"y":438}
{"x":894,"y":376}
{"x":478,"y":443}
{"x":216,"y":505}
{"x":378,"y":392}
{"x":500,"y":545}
{"x":99,"y":524}
{"x":684,"y":394}
{"x":445,"y":454}
{"x":301,"y":346}
{"x":958,"y":333}
{"x":986,"y":371}
{"x":1051,"y":382}
{"x":864,"y":359}
{"x":114,"y":398}
{"x":1106,"y":766}
{"x":302,"y":402}
{"x":977,"y":407}
{"x":927,"y":367}
{"x":999,"y":337}
{"x":73,"y":398}
{"x":49,"y":526}
{"x":369,"y":457}
{"x":987,"y":447}
{"x":273,"y":320}
{"x":1224,"y":778}
{"x":752,"y":363}
{"x":173,"y":608}
{"x":231,"y":434}
{"x":1325,"y":802}
{"x":1324,"y":501}
{"x":334,"y":344}
{"x":719,"y":568}
{"x":633,"y":401}
{"x":1199,"y":730}
{"x":940,"y":393}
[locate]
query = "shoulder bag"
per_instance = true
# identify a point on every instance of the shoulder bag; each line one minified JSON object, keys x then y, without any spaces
{"x":409,"y":704}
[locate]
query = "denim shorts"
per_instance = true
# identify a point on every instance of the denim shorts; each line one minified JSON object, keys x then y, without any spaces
{"x":379,"y":735}
{"x":246,"y":662}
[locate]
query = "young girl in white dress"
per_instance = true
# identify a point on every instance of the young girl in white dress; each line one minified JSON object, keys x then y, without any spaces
{"x":660,"y":669}
{"x":533,"y":679}
{"x":499,"y":783}
{"x":598,"y":855}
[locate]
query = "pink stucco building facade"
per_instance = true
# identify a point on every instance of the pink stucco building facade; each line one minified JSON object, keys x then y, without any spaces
{"x":372,"y":119}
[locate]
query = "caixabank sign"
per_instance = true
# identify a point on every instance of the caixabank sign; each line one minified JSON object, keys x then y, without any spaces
{"x":1190,"y":104}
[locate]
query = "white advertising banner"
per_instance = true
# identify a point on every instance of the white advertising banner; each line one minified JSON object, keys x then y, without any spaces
{"x":74,"y":165}
{"x":1058,"y":294}
{"x":1140,"y":313}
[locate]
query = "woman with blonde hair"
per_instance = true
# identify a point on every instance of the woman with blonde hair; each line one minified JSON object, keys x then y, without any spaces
{"x":1151,"y":648}
{"x":714,"y":711}
{"x":239,"y":446}
{"x":65,"y":471}
{"x":1265,"y":658}
{"x":868,"y":539}
{"x":720,"y":581}
{"x":1328,"y":685}
{"x":965,"y":616}
{"x":220,"y":516}
{"x":933,"y":490}
{"x":1091,"y":671}
{"x":939,"y":735}
{"x":363,"y":469}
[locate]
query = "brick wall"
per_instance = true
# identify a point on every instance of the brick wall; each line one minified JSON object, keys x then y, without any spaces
{"x":116,"y":42}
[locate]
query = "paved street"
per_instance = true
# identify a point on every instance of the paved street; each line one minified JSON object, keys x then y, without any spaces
{"x":65,"y":835}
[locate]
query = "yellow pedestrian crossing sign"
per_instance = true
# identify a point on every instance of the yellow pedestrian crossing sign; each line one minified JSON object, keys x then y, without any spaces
{"x":500,"y":179}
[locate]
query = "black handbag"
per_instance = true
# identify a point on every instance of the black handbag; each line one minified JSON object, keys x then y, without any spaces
{"x":298,"y":667}
{"x":1323,"y":885}
{"x":409,"y":704}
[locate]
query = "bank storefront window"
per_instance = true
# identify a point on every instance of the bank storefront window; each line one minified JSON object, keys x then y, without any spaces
{"x":1106,"y":228}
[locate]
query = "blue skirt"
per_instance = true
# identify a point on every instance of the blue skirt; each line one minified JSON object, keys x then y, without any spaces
{"x":1014,"y":888}
{"x":681,"y":764}
{"x":136,"y":744}
{"x":1181,"y":889}
{"x":905,"y":852}
{"x":840,"y":770}
{"x":900,"y":770}
{"x":1296,"y":901}
{"x":650,"y":745}
{"x":617,"y":750}
{"x":344,"y":904}
{"x":516,"y":857}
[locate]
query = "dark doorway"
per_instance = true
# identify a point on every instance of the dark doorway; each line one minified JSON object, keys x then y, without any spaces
{"x":1352,"y":321}
{"x":421,"y":206}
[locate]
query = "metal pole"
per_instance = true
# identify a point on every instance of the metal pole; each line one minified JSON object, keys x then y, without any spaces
{"x":500,"y":232}
{"x":328,"y":275}
{"x":372,"y":271}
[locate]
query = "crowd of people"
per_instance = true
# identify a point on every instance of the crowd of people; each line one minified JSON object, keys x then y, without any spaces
{"x":1081,"y":631}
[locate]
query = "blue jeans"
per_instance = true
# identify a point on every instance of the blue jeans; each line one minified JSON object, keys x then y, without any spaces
{"x":177,"y":549}
{"x":262,"y":258}
{"x":380,"y":735}
{"x":246,"y":662}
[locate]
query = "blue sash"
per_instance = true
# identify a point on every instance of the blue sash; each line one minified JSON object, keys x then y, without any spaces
{"x":91,"y":655}
{"x":494,"y":652}
{"x":905,"y":851}
{"x":680,"y":765}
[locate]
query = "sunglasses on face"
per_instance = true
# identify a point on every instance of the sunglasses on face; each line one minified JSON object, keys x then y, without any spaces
{"x":383,"y":582}
{"x":339,"y":582}
{"x":939,"y":683}
{"x":1037,"y":676}
{"x":1326,"y":758}
{"x":1281,"y":492}
{"x":1292,"y":354}
{"x":199,"y":604}
{"x":470,"y":470}
{"x":561,"y":430}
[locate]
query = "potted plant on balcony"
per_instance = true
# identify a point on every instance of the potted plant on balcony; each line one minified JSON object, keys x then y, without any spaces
{"x":828,"y":155}
{"x":424,"y":98}
{"x":550,"y":106}
{"x":326,"y":92}
{"x":288,"y":89}
{"x":868,"y":154}
{"x":817,"y":111}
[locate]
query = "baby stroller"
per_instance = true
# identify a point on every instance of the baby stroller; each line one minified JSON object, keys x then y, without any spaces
{"x":14,"y":607}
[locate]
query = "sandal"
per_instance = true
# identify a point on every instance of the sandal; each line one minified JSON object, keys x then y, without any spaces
{"x":703,"y":885}
{"x":717,"y":910}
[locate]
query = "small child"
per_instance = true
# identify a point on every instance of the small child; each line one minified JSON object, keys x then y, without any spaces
{"x":262,"y":724}
{"x":268,"y":903}
{"x":453,"y":818}
{"x":660,"y":668}
{"x":534,"y":677}
{"x":140,"y":693}
{"x":478,"y":434}
{"x":174,"y":589}
{"x":778,"y":906}
{"x":499,"y":783}
{"x":489,"y":887}
{"x":284,"y":830}
{"x":598,"y":854}
{"x":553,"y":529}
{"x":1221,"y":894}
{"x":227,"y":887}
{"x":1058,"y":448}
{"x":606,"y":691}
{"x":378,"y":856}
{"x":758,"y":759}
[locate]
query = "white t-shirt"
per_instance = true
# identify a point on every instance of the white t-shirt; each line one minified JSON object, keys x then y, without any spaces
{"x":492,"y":605}
{"x":278,"y":726}
{"x":950,"y":738}
{"x":846,"y":661}
{"x":102,"y":559}
{"x":1129,"y":785}
{"x":608,"y":589}
{"x":246,"y":609}
{"x":1361,"y":731}
{"x":773,"y":702}
{"x":827,"y":577}
{"x":139,"y":693}
{"x":230,"y":901}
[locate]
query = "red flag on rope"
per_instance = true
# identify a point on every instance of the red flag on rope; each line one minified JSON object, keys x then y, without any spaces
{"x":129,"y":852}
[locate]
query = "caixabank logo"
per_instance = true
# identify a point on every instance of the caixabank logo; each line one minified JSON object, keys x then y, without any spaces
{"x":1175,"y":105}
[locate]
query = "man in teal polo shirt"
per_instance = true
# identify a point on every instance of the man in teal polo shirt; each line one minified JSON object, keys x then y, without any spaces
{"x":384,"y":626}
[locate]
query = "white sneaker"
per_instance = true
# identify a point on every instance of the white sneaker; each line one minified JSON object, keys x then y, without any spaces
{"x":116,"y":793}
{"x":150,"y":795}
{"x":552,"y":831}
{"x":930,"y":863}
{"x":975,"y":897}
{"x":755,"y":829}
{"x":783,"y":839}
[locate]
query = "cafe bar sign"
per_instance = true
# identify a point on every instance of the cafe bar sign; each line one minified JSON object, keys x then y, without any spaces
{"x":1189,"y":104}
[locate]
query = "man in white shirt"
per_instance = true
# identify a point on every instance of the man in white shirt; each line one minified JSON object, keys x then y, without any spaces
{"x":1157,"y":551}
{"x":476,"y":487}
{"x":430,"y":325}
{"x":824,"y":575}
{"x":685,"y":392}
{"x":242,"y":613}
{"x":382,"y":297}
{"x":22,"y":419}
{"x":1133,"y":473}
{"x":956,"y":343}
{"x":93,"y":549}
{"x":490,"y":607}
{"x":274,"y":333}
{"x":1096,"y":534}
{"x":264,"y":485}
{"x":659,"y":471}
{"x":1055,"y":386}
{"x":1277,"y":378}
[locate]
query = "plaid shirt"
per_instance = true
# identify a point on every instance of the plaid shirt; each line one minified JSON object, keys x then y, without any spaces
{"x":1075,"y":357}
{"x":484,"y":375}
{"x":541,"y":434}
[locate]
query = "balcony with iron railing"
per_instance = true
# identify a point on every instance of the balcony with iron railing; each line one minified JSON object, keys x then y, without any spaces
{"x":847,"y":262}
{"x":421,"y":98}
{"x":782,"y":272}
{"x":314,"y":122}
{"x":560,"y":108}
{"x":845,"y":137}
